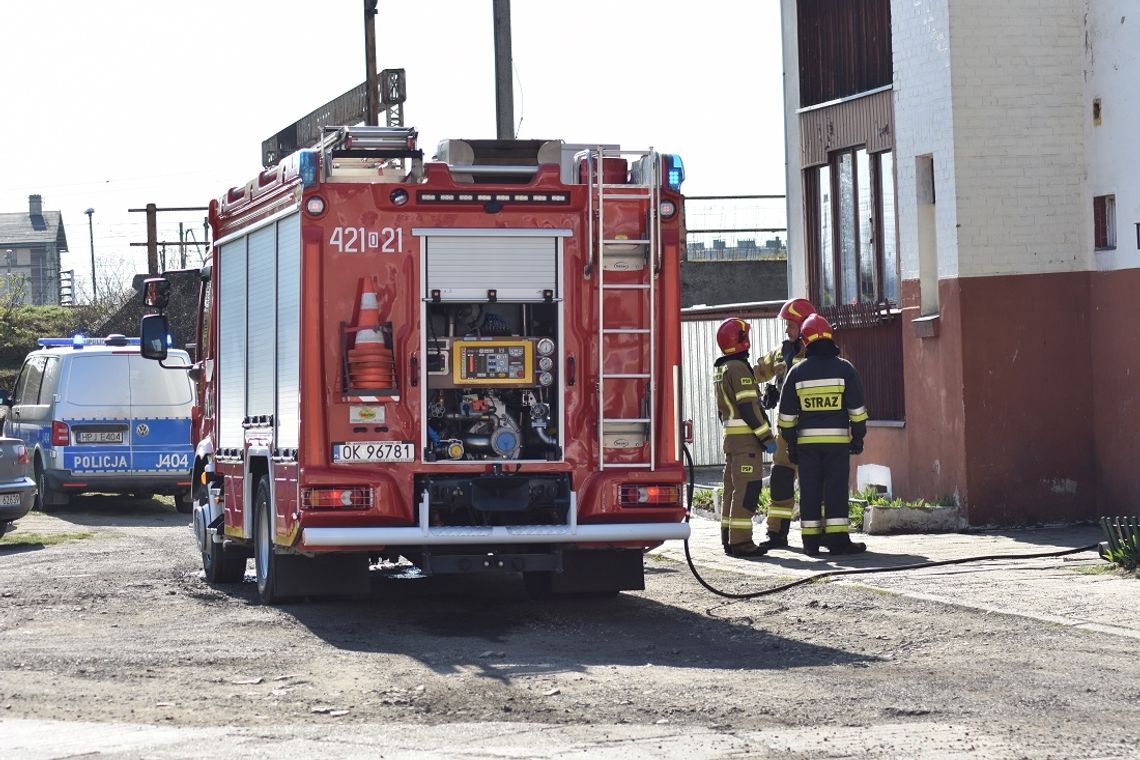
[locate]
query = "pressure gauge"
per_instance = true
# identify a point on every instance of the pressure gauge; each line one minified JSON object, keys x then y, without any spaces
{"x":545,"y":363}
{"x":545,"y":347}
{"x":545,"y":379}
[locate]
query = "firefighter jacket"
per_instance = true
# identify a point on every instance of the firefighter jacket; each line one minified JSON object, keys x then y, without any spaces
{"x":773,"y":365}
{"x":822,"y":400}
{"x":743,"y":421}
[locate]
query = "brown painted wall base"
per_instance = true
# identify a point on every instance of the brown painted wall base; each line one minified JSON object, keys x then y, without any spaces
{"x":999,"y":402}
{"x":1115,"y":368}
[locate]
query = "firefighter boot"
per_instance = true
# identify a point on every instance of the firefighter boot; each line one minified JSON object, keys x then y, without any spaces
{"x":841,"y":543}
{"x":778,"y":539}
{"x":745,"y":551}
{"x":811,"y":545}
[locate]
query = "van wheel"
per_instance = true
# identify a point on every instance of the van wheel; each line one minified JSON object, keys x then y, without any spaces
{"x":222,"y":564}
{"x":45,"y":496}
{"x":264,"y":558}
{"x":183,"y":501}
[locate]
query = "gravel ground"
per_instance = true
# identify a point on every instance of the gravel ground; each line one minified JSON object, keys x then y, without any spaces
{"x":119,"y":627}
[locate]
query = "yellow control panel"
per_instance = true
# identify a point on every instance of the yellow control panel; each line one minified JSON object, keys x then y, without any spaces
{"x":496,"y":361}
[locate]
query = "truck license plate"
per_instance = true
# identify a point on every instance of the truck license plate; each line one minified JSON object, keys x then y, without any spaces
{"x":9,"y":499}
{"x":373,"y":451}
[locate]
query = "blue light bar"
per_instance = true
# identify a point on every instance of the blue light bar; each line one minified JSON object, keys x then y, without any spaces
{"x":310,"y":164}
{"x":79,"y":341}
{"x":674,"y":170}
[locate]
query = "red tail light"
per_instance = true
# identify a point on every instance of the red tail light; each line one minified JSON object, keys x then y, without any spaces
{"x":650,"y":495}
{"x":60,"y":433}
{"x":22,"y":455}
{"x":358,"y":497}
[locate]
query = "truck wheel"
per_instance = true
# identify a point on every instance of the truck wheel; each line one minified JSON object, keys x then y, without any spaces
{"x":183,"y":502}
{"x":264,"y":559}
{"x":222,"y":564}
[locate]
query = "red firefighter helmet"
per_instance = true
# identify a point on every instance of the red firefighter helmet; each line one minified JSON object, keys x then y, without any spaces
{"x":732,"y":336}
{"x":797,"y":310}
{"x":814,"y":328}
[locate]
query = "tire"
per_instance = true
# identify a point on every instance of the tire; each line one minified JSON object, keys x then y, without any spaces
{"x":222,"y":564}
{"x":183,"y":501}
{"x":44,"y":495}
{"x":264,"y":558}
{"x":5,"y":526}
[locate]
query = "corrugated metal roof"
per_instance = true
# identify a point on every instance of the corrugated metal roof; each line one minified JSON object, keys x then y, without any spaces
{"x":17,"y":230}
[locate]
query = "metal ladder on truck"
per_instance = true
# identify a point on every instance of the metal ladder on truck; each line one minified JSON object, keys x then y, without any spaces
{"x":625,"y":269}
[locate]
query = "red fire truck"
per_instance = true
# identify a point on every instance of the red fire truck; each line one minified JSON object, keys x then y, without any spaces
{"x":470,"y":364}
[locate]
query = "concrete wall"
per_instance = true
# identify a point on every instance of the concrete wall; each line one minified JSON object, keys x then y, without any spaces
{"x":717,"y":282}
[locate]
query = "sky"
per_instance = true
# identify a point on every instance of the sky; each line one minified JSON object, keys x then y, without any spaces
{"x":115,"y":104}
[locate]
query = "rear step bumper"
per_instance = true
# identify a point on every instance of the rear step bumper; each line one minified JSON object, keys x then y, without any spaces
{"x":499,"y":534}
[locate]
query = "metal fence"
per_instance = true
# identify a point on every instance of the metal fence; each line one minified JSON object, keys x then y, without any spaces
{"x":699,"y":350}
{"x":870,"y":337}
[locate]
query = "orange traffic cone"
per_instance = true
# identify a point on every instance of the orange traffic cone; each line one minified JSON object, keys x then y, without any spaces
{"x":370,"y":363}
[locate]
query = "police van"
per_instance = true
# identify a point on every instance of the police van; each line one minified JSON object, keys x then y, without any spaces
{"x":96,"y":416}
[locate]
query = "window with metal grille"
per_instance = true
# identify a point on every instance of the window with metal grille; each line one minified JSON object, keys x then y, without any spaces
{"x":870,"y":337}
{"x":1104,"y":222}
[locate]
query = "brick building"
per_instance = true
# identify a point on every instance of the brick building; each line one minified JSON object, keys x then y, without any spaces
{"x":961,"y":199}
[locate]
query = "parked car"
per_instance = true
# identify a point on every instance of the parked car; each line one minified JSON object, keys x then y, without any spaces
{"x":17,"y":490}
{"x":95,"y":416}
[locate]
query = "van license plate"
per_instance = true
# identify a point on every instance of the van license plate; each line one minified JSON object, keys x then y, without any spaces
{"x":373,"y":451}
{"x":87,"y":436}
{"x":9,"y":499}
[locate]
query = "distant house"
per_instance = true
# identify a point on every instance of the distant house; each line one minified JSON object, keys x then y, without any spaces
{"x":30,"y":244}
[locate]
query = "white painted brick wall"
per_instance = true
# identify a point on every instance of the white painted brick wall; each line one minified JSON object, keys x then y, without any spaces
{"x":924,"y":125}
{"x":1112,"y":58}
{"x":1017,"y":70}
{"x":797,"y":263}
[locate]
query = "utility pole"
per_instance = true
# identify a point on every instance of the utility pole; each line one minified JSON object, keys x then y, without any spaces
{"x":152,"y":242}
{"x":91,"y":231}
{"x":504,"y":89}
{"x":151,"y":238}
{"x":372,"y":117}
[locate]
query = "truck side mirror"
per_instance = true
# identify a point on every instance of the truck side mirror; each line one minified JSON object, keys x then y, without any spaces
{"x":156,"y":292}
{"x":5,"y":399}
{"x":153,"y":331}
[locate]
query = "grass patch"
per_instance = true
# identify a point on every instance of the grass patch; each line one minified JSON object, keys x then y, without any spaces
{"x":1096,"y":570}
{"x":20,"y":538}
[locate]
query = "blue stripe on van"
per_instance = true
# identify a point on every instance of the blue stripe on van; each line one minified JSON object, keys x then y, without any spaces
{"x":152,"y":445}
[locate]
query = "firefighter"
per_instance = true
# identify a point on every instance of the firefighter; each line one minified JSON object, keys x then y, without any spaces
{"x":771,"y":368}
{"x":746,"y":436}
{"x":824,"y":420}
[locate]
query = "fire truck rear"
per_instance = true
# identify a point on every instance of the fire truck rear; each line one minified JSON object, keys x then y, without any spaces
{"x":470,"y":364}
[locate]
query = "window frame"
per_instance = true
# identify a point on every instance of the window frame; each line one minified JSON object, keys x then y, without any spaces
{"x":1104,"y":221}
{"x":816,"y":245}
